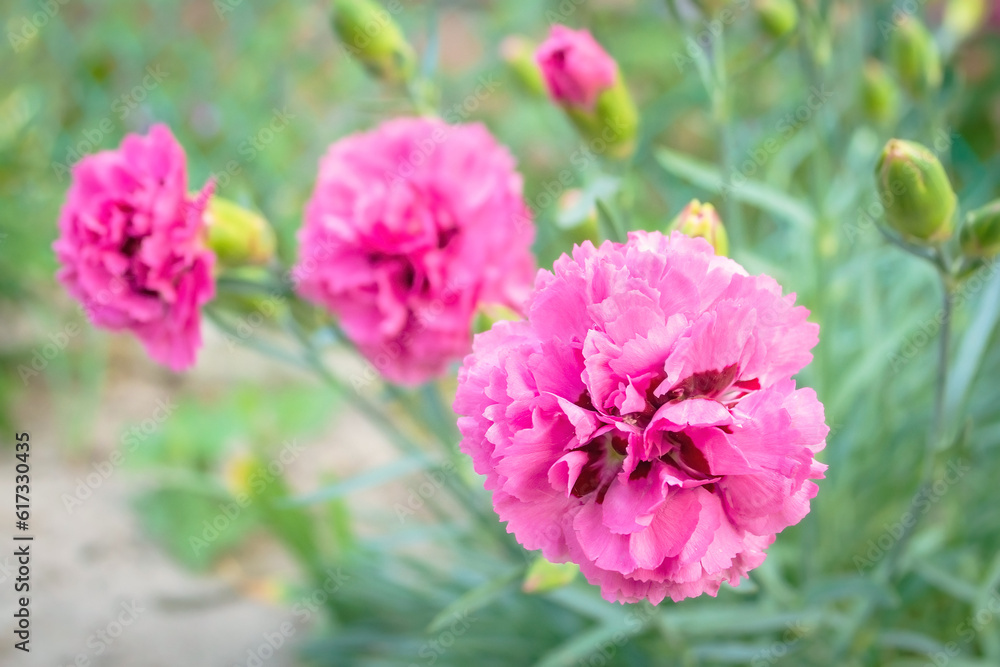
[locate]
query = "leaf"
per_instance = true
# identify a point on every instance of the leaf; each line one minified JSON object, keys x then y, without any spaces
{"x":753,"y":193}
{"x":475,"y":599}
{"x":374,"y":477}
{"x":591,"y":642}
{"x":947,"y":582}
{"x":610,"y":225}
{"x":969,"y":357}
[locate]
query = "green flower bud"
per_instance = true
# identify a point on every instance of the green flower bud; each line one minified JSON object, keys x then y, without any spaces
{"x":963,"y":17}
{"x":980,"y":235}
{"x":369,"y":33}
{"x":519,"y":54}
{"x":544,"y":576}
{"x":238,"y":237}
{"x":701,"y":220}
{"x":915,"y":56}
{"x":777,"y":17}
{"x":879,"y":93}
{"x":576,"y":216}
{"x":614,"y":122}
{"x":488,"y":314}
{"x":915,"y":190}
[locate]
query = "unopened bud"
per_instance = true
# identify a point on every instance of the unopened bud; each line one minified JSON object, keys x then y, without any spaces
{"x":576,"y":216}
{"x":488,"y":314}
{"x":370,"y":34}
{"x":980,"y":235}
{"x":777,"y":17}
{"x":963,"y":17}
{"x":544,"y":576}
{"x":238,"y":237}
{"x":915,"y":56}
{"x":519,"y":54}
{"x":915,"y":190}
{"x":879,"y":93}
{"x":585,"y":81}
{"x":699,"y":220}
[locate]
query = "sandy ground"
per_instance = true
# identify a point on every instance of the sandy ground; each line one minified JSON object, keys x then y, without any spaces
{"x":102,"y":594}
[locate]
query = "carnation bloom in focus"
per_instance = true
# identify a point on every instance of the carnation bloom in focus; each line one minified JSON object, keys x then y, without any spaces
{"x":410,"y":227}
{"x":575,"y":67}
{"x":132,"y":245}
{"x":642,"y":421}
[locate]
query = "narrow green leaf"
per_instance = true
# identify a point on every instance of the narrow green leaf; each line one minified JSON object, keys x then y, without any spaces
{"x":369,"y":478}
{"x":477,"y":598}
{"x":750,"y":192}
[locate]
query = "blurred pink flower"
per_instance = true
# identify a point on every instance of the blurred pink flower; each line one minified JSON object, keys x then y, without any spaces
{"x":642,"y":421}
{"x":575,"y":67}
{"x":132,"y":245}
{"x":409,"y":228}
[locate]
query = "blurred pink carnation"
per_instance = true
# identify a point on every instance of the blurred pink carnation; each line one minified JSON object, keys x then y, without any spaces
{"x":642,"y":421}
{"x":575,"y":67}
{"x":132,"y":245}
{"x":409,"y":228}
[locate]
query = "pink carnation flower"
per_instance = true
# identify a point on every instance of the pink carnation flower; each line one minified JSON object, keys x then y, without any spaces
{"x":575,"y":67}
{"x":410,"y":227}
{"x":132,"y":245}
{"x":642,"y":421}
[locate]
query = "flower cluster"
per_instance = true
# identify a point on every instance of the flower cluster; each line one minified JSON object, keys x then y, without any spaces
{"x":642,"y":422}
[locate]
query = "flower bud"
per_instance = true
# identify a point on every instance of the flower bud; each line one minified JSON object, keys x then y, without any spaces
{"x":584,"y":80}
{"x":544,"y":576}
{"x":699,"y":220}
{"x":488,"y":314}
{"x":778,"y":17}
{"x":915,"y":190}
{"x":576,"y":216}
{"x":879,"y":93}
{"x":915,"y":56}
{"x":518,"y":53}
{"x":963,"y":17}
{"x":980,"y":235}
{"x":237,"y":236}
{"x":368,"y":32}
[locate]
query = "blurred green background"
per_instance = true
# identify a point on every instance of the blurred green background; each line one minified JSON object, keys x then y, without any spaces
{"x":783,"y":110}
